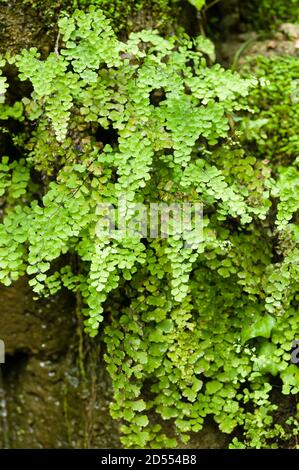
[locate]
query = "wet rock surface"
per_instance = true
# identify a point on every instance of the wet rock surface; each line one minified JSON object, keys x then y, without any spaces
{"x":43,"y":327}
{"x":49,"y":395}
{"x":21,"y":26}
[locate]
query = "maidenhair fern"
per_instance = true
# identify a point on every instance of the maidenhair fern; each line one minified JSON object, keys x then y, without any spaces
{"x":149,"y":121}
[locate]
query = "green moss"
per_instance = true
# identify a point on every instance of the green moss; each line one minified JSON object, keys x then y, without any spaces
{"x":125,"y":16}
{"x":228,"y":17}
{"x":267,"y":14}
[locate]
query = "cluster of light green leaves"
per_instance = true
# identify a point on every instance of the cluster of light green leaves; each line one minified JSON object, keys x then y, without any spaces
{"x":198,"y":324}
